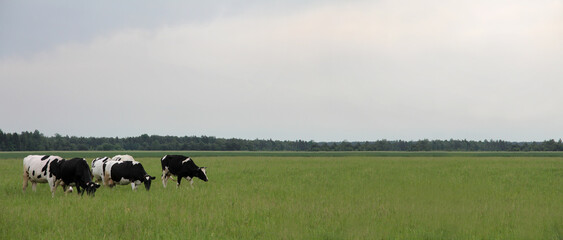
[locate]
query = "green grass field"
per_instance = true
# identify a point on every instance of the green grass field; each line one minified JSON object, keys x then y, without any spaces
{"x":254,"y":195}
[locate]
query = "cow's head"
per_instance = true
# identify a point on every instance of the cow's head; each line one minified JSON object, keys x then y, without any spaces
{"x":147,"y":180}
{"x":91,"y":188}
{"x":202,"y":174}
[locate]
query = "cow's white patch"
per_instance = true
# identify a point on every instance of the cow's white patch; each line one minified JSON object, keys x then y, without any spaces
{"x":98,"y":168}
{"x":204,"y":172}
{"x":187,"y":160}
{"x":124,"y":181}
{"x":106,"y":179}
{"x":123,"y":158}
{"x":135,"y":184}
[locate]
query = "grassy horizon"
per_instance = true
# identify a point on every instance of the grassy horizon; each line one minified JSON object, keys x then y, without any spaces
{"x":305,"y":197}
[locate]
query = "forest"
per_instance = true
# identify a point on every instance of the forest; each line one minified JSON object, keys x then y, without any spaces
{"x":37,"y":141}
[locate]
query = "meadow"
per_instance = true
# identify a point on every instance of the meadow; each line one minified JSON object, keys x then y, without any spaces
{"x":294,"y":195}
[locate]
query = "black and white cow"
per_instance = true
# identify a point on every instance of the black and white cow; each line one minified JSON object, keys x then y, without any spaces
{"x":76,"y":172}
{"x":98,"y":165}
{"x":98,"y":168}
{"x":126,"y":172}
{"x":182,"y":167}
{"x":56,"y":171}
{"x":37,"y":169}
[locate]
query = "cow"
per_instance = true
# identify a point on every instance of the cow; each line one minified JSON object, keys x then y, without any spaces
{"x":126,"y":172}
{"x":98,"y":168}
{"x":56,"y":171}
{"x":37,"y":169}
{"x":98,"y":165}
{"x":181,"y":167}
{"x":75,"y":172}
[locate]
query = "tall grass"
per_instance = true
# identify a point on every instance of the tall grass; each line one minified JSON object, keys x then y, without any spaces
{"x":306,"y":197}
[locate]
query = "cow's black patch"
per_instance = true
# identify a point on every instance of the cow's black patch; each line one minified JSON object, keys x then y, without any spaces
{"x":44,"y":169}
{"x":45,"y":157}
{"x":33,"y":173}
{"x":53,"y":168}
{"x":39,"y":176}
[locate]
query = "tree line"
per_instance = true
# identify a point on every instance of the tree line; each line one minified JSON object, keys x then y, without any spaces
{"x":36,"y":141}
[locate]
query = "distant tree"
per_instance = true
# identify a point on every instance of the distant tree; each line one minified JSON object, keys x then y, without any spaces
{"x":36,"y":141}
{"x":106,"y":147}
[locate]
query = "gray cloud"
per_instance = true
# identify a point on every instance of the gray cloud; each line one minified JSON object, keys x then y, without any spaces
{"x":356,"y":71}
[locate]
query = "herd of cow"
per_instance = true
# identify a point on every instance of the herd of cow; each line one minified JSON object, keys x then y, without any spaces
{"x":121,"y":169}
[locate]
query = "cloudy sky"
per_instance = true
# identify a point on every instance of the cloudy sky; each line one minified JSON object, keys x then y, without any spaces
{"x":287,"y":70}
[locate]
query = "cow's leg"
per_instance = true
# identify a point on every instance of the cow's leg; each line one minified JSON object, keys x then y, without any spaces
{"x":25,"y":179}
{"x":133,"y":186}
{"x":164,"y":178}
{"x":178,"y":183}
{"x":65,"y":189}
{"x":105,"y":179}
{"x":34,"y":186}
{"x":191,"y":181}
{"x":78,"y":190}
{"x":52,"y":187}
{"x":63,"y":186}
{"x":110,"y":183}
{"x":53,"y":184}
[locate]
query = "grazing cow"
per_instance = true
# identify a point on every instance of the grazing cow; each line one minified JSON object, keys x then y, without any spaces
{"x":56,"y":171}
{"x":98,"y":168}
{"x":98,"y":165}
{"x":125,"y":172}
{"x":181,"y":167}
{"x":75,"y":172}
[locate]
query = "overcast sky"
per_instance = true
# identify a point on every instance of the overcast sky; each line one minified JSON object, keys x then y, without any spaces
{"x":286,"y":70}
